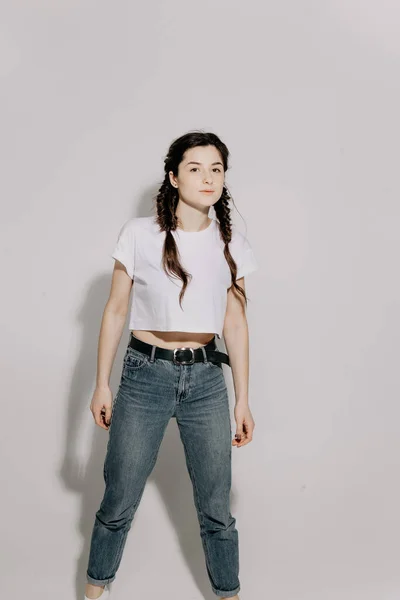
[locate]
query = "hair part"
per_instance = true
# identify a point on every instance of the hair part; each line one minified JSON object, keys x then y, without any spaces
{"x":167,"y":199}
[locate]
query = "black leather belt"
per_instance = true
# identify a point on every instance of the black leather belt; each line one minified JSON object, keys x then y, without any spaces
{"x":184,"y":355}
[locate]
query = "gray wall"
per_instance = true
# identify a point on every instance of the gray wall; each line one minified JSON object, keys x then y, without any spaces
{"x":306,"y":96}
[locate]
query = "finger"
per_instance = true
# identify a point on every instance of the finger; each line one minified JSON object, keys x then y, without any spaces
{"x":107,"y":417}
{"x":99,"y":419}
{"x":239,"y":430}
{"x":103,"y":416}
{"x":245,"y":439}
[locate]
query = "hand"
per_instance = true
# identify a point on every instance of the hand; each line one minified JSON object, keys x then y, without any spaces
{"x":244,"y":425}
{"x":101,"y":406}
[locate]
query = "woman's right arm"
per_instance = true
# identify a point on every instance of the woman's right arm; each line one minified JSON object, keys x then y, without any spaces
{"x":111,"y":329}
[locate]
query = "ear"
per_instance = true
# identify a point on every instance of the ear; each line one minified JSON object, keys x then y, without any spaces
{"x":172,"y":179}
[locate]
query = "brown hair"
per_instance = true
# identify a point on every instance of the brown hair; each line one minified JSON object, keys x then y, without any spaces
{"x":167,"y":199}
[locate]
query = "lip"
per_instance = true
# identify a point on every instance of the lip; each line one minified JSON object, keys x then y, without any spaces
{"x":207,"y":191}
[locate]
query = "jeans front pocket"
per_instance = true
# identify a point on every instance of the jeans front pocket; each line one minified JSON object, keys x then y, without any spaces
{"x":133,"y":362}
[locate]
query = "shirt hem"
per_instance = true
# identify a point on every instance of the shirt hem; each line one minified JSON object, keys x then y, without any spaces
{"x":152,"y":327}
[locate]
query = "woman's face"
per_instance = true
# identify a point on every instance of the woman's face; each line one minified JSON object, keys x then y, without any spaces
{"x":201,"y":169}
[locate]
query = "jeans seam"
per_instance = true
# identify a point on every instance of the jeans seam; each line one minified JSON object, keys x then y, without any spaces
{"x":199,"y":507}
{"x":120,"y":548}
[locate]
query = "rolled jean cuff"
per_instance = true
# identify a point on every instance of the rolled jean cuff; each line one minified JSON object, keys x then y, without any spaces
{"x":226,"y":594}
{"x":99,"y":581}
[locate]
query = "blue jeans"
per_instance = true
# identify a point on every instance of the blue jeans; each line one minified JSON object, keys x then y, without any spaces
{"x":149,"y":394}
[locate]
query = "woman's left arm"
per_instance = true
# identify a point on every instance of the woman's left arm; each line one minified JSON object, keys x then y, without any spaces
{"x":236,"y":338}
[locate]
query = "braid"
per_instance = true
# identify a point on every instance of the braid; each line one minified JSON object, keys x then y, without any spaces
{"x":223,"y":214}
{"x":166,"y":202}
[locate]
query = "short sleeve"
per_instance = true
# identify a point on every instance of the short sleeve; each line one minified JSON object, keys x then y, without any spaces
{"x":243,"y":254}
{"x":125,"y":248}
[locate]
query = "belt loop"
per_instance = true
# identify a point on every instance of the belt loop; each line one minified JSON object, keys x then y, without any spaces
{"x":153,"y":351}
{"x":204,"y":354}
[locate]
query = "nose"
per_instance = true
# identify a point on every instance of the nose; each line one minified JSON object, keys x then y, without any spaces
{"x":207,"y":179}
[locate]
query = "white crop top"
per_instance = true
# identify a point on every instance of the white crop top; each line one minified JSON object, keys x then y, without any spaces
{"x":155,"y":298}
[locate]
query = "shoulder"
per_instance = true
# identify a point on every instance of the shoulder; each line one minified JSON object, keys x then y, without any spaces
{"x":237,"y":235}
{"x":135,"y":225}
{"x":239,"y":240}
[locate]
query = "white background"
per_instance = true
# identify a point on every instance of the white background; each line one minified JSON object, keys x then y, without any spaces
{"x":306,"y":95}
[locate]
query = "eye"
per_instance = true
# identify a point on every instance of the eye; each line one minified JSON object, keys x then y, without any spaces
{"x":215,"y":169}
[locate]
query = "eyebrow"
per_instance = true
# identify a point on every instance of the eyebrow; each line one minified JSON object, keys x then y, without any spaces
{"x":193,"y":162}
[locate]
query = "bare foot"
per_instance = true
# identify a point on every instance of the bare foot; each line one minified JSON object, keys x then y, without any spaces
{"x":94,"y":591}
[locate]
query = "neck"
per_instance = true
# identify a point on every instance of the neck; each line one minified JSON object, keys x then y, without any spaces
{"x":194,"y":222}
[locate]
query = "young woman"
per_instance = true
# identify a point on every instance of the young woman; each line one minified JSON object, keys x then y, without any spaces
{"x":187,"y":272}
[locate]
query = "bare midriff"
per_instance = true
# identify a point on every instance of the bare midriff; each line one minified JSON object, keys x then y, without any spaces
{"x":173,"y":339}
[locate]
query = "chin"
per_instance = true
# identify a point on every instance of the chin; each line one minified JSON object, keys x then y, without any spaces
{"x":208,"y":200}
{"x":205,"y":204}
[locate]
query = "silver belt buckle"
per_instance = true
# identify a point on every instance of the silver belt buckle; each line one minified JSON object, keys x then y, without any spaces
{"x":183,"y":362}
